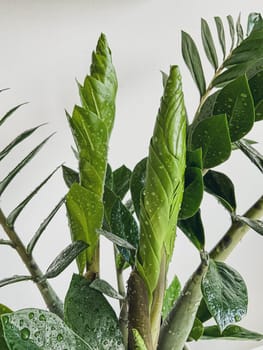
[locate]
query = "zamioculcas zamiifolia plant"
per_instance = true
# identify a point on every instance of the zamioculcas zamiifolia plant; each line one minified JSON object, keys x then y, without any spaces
{"x":139,"y":210}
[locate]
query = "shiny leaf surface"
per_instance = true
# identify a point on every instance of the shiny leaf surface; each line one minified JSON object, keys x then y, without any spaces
{"x":70,"y":176}
{"x":105,"y":288}
{"x":208,"y":44}
{"x":251,"y":153}
{"x":170,"y":296}
{"x":121,"y":181}
{"x":137,"y":184}
{"x":194,"y":230}
{"x":232,"y":332}
{"x":221,"y":34}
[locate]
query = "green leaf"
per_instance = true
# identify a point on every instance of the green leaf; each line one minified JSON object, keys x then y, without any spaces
{"x":65,"y":258}
{"x":251,"y":153}
{"x":212,"y":135}
{"x":256,"y":225}
{"x":231,"y":332}
{"x":170,"y":296}
{"x":14,"y":279}
{"x":14,"y":213}
{"x":255,"y":83}
{"x":220,"y":186}
{"x":137,"y":184}
{"x":43,"y":226}
{"x":203,"y":313}
{"x":193,"y":62}
{"x":138,"y":340}
{"x":105,"y":288}
{"x":225,"y":294}
{"x":221,"y":34}
{"x":5,"y":182}
{"x":239,"y":30}
{"x":10,"y":112}
{"x":194,"y":230}
{"x":231,"y":30}
{"x":3,"y":310}
{"x":193,"y":192}
{"x":70,"y":176}
{"x":250,"y":142}
{"x":208,"y":44}
{"x":109,"y":177}
{"x":17,"y":140}
{"x":196,"y":331}
{"x":90,"y":315}
{"x":35,"y":329}
{"x":194,"y":158}
{"x":254,"y":20}
{"x":121,"y":181}
{"x":85,"y":212}
{"x":116,"y":239}
{"x":236,"y":102}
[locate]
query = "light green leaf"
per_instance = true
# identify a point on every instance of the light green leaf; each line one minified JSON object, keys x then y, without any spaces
{"x":90,"y":315}
{"x":196,"y":331}
{"x":208,"y":44}
{"x":231,"y":332}
{"x":221,"y":34}
{"x":35,"y":329}
{"x":225,"y":294}
{"x":105,"y":288}
{"x":194,"y":230}
{"x":170,"y":296}
{"x":137,"y":184}
{"x":121,"y":181}
{"x":256,"y":225}
{"x":138,"y":341}
{"x":251,"y":153}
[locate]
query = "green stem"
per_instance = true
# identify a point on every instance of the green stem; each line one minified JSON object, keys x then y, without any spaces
{"x":50,"y":297}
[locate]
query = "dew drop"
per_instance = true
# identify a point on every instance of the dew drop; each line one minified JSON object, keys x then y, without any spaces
{"x":42,"y":317}
{"x":5,"y":319}
{"x":25,"y":333}
{"x":31,"y":315}
{"x":59,"y":337}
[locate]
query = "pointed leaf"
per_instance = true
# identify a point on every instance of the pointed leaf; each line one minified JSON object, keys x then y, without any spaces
{"x":14,"y":214}
{"x":212,"y":135}
{"x":193,"y":62}
{"x":35,"y":329}
{"x":43,"y":226}
{"x":231,"y":30}
{"x":116,"y":239}
{"x":225,"y":294}
{"x":170,"y":296}
{"x":253,"y":20}
{"x":138,"y":340}
{"x":255,"y":82}
{"x":9,"y":113}
{"x":14,"y":279}
{"x":251,"y":153}
{"x":109,"y":177}
{"x":256,"y":225}
{"x":231,"y":332}
{"x":196,"y":331}
{"x":194,"y":230}
{"x":221,"y":34}
{"x":70,"y":176}
{"x":220,"y":186}
{"x":137,"y":184}
{"x":250,"y":142}
{"x":239,"y":31}
{"x":105,"y":288}
{"x":5,"y":182}
{"x":90,"y":315}
{"x":208,"y":44}
{"x":121,"y":181}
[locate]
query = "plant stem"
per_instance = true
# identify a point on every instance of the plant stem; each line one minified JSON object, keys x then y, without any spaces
{"x":50,"y":297}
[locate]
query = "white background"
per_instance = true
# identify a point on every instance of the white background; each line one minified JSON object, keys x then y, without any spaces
{"x":44,"y":46}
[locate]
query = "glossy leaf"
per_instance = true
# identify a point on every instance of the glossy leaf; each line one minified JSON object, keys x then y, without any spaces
{"x":90,"y":315}
{"x":232,"y":332}
{"x":170,"y":296}
{"x":109,"y":177}
{"x":194,"y":230}
{"x":194,"y":158}
{"x":138,"y":340}
{"x":14,"y":213}
{"x":5,"y":182}
{"x":231,"y":30}
{"x":70,"y":176}
{"x":35,"y":329}
{"x":105,"y":288}
{"x":208,"y":44}
{"x":251,"y":153}
{"x":116,"y":239}
{"x":221,"y":34}
{"x":239,"y":30}
{"x":220,"y":186}
{"x":65,"y":258}
{"x":254,"y":19}
{"x":236,"y":102}
{"x":256,"y":225}
{"x":121,"y":181}
{"x":212,"y":135}
{"x":250,"y":142}
{"x":255,"y":82}
{"x":164,"y":182}
{"x":137,"y":184}
{"x":197,"y":330}
{"x":225,"y":294}
{"x":43,"y":226}
{"x":193,"y":62}
{"x":14,"y":279}
{"x":17,"y":140}
{"x":203,"y":313}
{"x":193,"y":192}
{"x":3,"y":310}
{"x":10,"y":112}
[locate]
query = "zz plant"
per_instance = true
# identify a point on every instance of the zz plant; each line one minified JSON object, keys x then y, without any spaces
{"x":138,"y":210}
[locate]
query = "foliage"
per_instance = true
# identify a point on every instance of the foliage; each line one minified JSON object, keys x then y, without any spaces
{"x":139,"y":210}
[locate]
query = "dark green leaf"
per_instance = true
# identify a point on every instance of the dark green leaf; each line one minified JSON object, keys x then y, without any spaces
{"x":193,"y":62}
{"x":14,"y":214}
{"x":225,"y":294}
{"x":203,"y":313}
{"x":239,"y":30}
{"x":250,"y":142}
{"x":256,"y":225}
{"x":70,"y":176}
{"x":121,"y":181}
{"x":231,"y":30}
{"x":109,"y":177}
{"x":116,"y":239}
{"x":255,"y":83}
{"x":105,"y":288}
{"x":231,"y":73}
{"x":220,"y":186}
{"x":193,"y":192}
{"x":14,"y":279}
{"x":90,"y":315}
{"x":231,"y":332}
{"x":236,"y":102}
{"x":5,"y":182}
{"x":43,"y":226}
{"x":251,"y":153}
{"x":34,"y":329}
{"x":194,"y":158}
{"x":212,"y":135}
{"x":194,"y":230}
{"x":170,"y":296}
{"x":137,"y":184}
{"x":197,"y":330}
{"x":221,"y":34}
{"x":9,"y":113}
{"x":65,"y":258}
{"x":254,"y":21}
{"x":3,"y":310}
{"x":17,"y":140}
{"x":208,"y":44}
